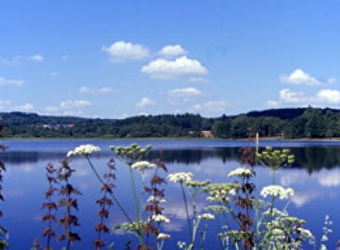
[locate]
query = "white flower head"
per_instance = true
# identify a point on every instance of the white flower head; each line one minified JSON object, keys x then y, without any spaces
{"x":83,"y":150}
{"x":181,"y":177}
{"x":275,"y":212}
{"x":241,"y":172}
{"x":206,"y":216}
{"x":154,"y":199}
{"x":142,"y":165}
{"x":163,"y":236}
{"x":277,"y":191}
{"x":159,"y":218}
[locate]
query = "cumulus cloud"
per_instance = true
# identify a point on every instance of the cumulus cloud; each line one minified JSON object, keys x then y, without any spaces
{"x":88,"y":90}
{"x":122,"y":51}
{"x":25,"y":107}
{"x":74,"y":104}
{"x":322,"y":97}
{"x":11,"y":82}
{"x":172,"y":50}
{"x":299,"y":77}
{"x":8,"y":105}
{"x":212,"y":107}
{"x":289,"y":96}
{"x":145,"y":102}
{"x":185,"y":92}
{"x":69,"y":108}
{"x":272,"y":103}
{"x":168,"y":69}
{"x":330,"y":96}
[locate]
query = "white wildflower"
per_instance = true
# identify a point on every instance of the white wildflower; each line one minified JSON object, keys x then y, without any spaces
{"x":275,"y":212}
{"x":241,"y":172}
{"x":324,"y":238}
{"x":276,"y":190}
{"x":219,"y":196}
{"x":306,"y":233}
{"x":83,"y":150}
{"x":159,"y":218}
{"x":154,"y":199}
{"x":206,"y":216}
{"x":323,"y":247}
{"x":180,"y":177}
{"x":233,"y":191}
{"x":163,"y":236}
{"x":142,"y":165}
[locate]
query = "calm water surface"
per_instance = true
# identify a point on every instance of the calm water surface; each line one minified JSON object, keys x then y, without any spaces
{"x":315,"y":177}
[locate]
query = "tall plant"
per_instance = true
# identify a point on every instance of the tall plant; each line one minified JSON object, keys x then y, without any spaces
{"x":3,"y":230}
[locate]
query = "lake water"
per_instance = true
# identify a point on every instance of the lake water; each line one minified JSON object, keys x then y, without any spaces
{"x":315,"y":177}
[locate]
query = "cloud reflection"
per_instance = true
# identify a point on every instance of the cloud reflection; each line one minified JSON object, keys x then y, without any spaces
{"x":328,"y":178}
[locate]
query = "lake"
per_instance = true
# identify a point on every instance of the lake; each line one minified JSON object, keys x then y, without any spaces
{"x":315,"y":177}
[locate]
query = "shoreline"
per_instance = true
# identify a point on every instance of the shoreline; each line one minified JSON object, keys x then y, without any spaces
{"x":335,"y":139}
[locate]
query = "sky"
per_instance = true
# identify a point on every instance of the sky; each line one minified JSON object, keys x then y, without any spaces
{"x":118,"y":59}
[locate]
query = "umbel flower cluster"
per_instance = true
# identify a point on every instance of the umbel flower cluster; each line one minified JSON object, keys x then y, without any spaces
{"x":248,"y":219}
{"x":277,"y":191}
{"x":83,"y":150}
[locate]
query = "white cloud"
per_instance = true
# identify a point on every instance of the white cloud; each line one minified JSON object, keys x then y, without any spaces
{"x":172,"y":50}
{"x":212,"y":107}
{"x":25,"y":107}
{"x":74,"y":104}
{"x":51,"y":109}
{"x":198,"y":79}
{"x":329,"y":96}
{"x":272,"y":103}
{"x":329,"y":178}
{"x":145,"y":102}
{"x":17,"y":59}
{"x":122,"y":51}
{"x":4,"y":104}
{"x":299,"y":77}
{"x":35,"y":58}
{"x":11,"y":82}
{"x":289,"y":96}
{"x":167,"y":69}
{"x":184,"y":92}
{"x":88,"y":90}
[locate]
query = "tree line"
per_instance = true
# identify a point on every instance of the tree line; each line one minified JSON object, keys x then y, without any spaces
{"x":285,"y":123}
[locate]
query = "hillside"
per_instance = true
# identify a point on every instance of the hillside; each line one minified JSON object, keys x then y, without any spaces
{"x":290,"y":122}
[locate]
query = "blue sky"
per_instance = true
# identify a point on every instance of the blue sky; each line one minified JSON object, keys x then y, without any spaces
{"x":117,"y":59}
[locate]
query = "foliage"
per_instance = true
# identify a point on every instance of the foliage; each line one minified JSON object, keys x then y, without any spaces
{"x":286,"y":123}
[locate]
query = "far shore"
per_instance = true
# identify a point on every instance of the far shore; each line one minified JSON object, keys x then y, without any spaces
{"x":335,"y":139}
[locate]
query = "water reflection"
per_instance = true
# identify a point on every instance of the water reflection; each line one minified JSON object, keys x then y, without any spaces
{"x":315,"y":177}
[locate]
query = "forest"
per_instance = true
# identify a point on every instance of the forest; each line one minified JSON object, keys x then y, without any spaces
{"x":290,"y":123}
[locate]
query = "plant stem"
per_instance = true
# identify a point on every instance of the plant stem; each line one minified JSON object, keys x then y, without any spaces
{"x":186,"y":210}
{"x":134,"y":192}
{"x":111,"y":194}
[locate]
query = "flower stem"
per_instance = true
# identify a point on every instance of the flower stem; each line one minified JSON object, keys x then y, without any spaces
{"x":186,"y":210}
{"x":111,"y":194}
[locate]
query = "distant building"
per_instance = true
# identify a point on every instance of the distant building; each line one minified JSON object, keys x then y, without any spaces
{"x":56,"y":126}
{"x":207,"y":134}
